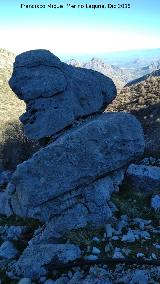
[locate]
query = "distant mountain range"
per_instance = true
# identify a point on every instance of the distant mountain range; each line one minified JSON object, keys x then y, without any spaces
{"x":120,"y":75}
{"x":127,"y":59}
{"x":133,"y":58}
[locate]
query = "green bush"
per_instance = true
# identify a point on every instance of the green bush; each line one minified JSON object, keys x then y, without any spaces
{"x":15,"y":146}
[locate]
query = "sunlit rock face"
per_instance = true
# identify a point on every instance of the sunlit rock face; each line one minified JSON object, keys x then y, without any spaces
{"x":57,"y":94}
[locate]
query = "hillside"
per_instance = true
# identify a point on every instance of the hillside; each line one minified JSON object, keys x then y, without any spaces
{"x":142,"y":98}
{"x":11,"y":106}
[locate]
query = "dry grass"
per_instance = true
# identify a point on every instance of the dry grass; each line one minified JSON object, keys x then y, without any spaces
{"x":143,"y":100}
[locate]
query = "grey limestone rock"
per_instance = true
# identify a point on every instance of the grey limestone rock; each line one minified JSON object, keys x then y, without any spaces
{"x":35,"y":58}
{"x":57,"y":94}
{"x":129,"y":237}
{"x":91,"y":257}
{"x":109,"y":230}
{"x":5,"y":177}
{"x":117,"y":253}
{"x":32,"y":262}
{"x":141,"y":222}
{"x":5,"y":207}
{"x":8,"y":250}
{"x":138,"y":276}
{"x":62,"y":280}
{"x":76,"y":160}
{"x":76,"y":278}
{"x":143,"y":178}
{"x":89,"y":209}
{"x":155,"y":202}
{"x":96,"y":250}
{"x":49,"y":281}
{"x":12,"y":232}
{"x":25,"y":281}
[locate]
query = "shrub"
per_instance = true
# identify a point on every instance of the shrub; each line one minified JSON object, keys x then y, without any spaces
{"x":15,"y":146}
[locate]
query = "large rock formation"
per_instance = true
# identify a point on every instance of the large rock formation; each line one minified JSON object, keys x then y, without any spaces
{"x":57,"y":94}
{"x":44,"y":183}
{"x":68,"y":183}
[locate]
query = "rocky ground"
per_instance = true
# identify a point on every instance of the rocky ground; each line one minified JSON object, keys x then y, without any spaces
{"x":133,"y":233}
{"x":10,"y":106}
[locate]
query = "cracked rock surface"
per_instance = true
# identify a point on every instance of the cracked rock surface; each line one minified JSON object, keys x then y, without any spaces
{"x":57,"y":94}
{"x":73,"y":163}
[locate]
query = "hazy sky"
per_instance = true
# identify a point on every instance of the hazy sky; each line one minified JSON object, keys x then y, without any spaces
{"x":78,"y":31}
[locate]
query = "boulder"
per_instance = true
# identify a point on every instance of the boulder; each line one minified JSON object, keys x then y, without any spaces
{"x":145,"y":179}
{"x":50,"y":182}
{"x":8,"y":250}
{"x":57,"y":94}
{"x":155,"y":202}
{"x":32,"y":262}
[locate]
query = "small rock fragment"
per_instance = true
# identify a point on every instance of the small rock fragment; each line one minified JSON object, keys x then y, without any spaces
{"x":129,"y":237}
{"x":95,"y":239}
{"x":49,"y":281}
{"x":143,"y":178}
{"x":155,"y":202}
{"x":157,"y":246}
{"x":62,"y":280}
{"x":108,"y":230}
{"x":139,"y":277}
{"x":117,"y":253}
{"x":96,"y":250}
{"x":25,"y":281}
{"x":108,"y":247}
{"x":140,"y":254}
{"x":91,"y":257}
{"x":154,"y":255}
{"x":115,"y":238}
{"x":8,"y":250}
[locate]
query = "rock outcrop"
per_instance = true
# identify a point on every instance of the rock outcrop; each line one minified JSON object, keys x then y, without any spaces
{"x":33,"y":260}
{"x":68,"y":183}
{"x":57,"y":94}
{"x":142,"y":178}
{"x":74,"y":162}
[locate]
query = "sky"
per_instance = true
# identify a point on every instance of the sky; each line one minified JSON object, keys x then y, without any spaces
{"x":68,"y":31}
